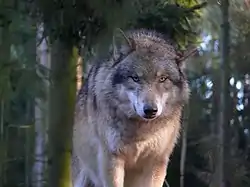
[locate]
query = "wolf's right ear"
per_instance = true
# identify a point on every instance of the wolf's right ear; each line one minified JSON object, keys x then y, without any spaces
{"x":121,"y":45}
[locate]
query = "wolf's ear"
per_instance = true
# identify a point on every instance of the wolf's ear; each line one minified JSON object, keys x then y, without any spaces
{"x":181,"y":57}
{"x":122,"y":45}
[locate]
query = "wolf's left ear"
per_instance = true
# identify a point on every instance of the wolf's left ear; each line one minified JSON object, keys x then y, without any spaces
{"x":181,"y":57}
{"x":122,"y":45}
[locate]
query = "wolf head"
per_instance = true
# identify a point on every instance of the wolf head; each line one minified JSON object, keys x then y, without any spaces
{"x":147,"y":80}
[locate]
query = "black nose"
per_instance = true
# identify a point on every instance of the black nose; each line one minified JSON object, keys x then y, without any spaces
{"x":150,"y":111}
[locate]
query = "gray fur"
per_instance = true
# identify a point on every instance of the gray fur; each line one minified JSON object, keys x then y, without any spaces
{"x":114,"y":143}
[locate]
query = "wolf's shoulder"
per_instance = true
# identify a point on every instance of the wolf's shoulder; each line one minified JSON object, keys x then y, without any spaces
{"x":88,"y":86}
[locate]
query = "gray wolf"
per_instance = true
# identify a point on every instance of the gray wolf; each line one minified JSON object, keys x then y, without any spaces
{"x":127,"y":117}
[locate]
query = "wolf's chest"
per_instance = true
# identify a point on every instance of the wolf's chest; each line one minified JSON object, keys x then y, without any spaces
{"x":144,"y":152}
{"x":148,"y":146}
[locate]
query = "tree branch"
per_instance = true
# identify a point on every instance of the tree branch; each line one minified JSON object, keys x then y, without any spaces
{"x":196,"y":7}
{"x":202,"y":140}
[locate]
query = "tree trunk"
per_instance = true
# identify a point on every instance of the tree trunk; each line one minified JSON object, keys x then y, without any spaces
{"x":62,"y":102}
{"x":223,"y":92}
{"x":4,"y":90}
{"x":227,"y":100}
{"x":184,"y":146}
{"x":41,"y":114}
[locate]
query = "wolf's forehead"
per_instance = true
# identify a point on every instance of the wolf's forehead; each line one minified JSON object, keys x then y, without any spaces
{"x":154,"y":67}
{"x":153,"y":61}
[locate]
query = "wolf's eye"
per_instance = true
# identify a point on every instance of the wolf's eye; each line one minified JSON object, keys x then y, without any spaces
{"x":135,"y":78}
{"x":163,"y":79}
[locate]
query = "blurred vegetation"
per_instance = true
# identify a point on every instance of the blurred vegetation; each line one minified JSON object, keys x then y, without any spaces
{"x":41,"y":40}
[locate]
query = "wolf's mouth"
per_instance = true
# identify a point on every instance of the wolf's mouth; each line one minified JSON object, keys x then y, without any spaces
{"x":150,"y":117}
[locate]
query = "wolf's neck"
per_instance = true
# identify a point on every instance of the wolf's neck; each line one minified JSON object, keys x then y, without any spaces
{"x":132,"y":129}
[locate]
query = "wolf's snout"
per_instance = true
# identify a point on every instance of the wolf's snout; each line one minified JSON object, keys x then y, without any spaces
{"x":150,"y":111}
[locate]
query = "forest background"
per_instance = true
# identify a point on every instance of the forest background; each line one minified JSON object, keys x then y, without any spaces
{"x":44,"y":50}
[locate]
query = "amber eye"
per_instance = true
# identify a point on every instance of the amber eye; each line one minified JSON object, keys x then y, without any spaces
{"x":163,"y":79}
{"x":135,"y":78}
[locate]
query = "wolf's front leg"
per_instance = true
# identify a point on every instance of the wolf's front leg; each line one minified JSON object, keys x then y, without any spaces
{"x":112,"y":171}
{"x":152,"y":176}
{"x":82,"y":181}
{"x":159,"y":173}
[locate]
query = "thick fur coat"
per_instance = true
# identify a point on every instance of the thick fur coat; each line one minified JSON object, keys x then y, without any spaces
{"x":128,"y":112}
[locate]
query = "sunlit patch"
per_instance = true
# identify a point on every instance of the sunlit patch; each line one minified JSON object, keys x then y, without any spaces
{"x":238,"y":85}
{"x":209,"y":83}
{"x":232,"y":81}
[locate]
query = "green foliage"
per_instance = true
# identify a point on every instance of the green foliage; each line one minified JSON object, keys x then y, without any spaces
{"x":94,"y":21}
{"x":19,"y":84}
{"x":71,"y":20}
{"x":178,"y":21}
